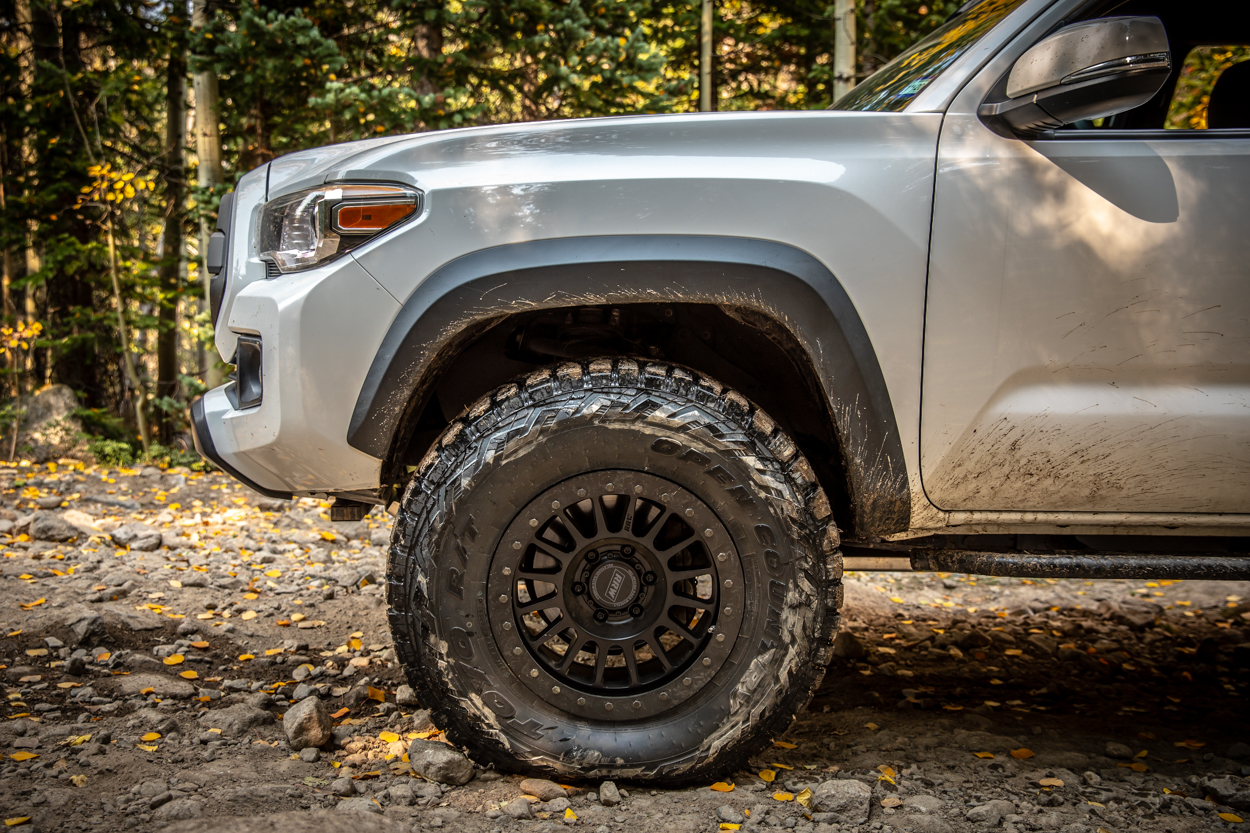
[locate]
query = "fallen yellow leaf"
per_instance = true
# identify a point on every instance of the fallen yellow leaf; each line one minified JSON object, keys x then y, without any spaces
{"x":729,"y":825}
{"x":891,"y":801}
{"x":1139,"y":767}
{"x":36,"y":652}
{"x":872,"y":727}
{"x":174,"y":659}
{"x":199,"y":645}
{"x":273,"y":573}
{"x":189,"y":674}
{"x":250,"y":596}
{"x":377,"y":694}
{"x":78,"y":741}
{"x":298,"y":617}
{"x":984,"y":754}
{"x":767,"y":775}
{"x":34,"y":604}
{"x":145,"y":748}
{"x":151,"y":736}
{"x":723,"y":787}
{"x":354,"y":644}
{"x":340,"y":713}
{"x":23,"y":756}
{"x":1021,"y":754}
{"x":16,"y":820}
{"x":1231,"y":818}
{"x":248,"y":615}
{"x":148,"y":690}
{"x":271,"y":651}
{"x":804,"y":798}
{"x":781,"y":744}
{"x":173,"y":582}
{"x":569,"y":814}
{"x":246,"y":657}
{"x":389,"y":737}
{"x":78,"y":780}
{"x":783,"y":796}
{"x":1051,"y":782}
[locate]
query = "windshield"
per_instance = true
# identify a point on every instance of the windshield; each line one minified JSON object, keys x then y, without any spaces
{"x":894,"y":85}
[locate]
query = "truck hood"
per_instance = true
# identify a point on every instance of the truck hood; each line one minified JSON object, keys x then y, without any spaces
{"x":490,"y":155}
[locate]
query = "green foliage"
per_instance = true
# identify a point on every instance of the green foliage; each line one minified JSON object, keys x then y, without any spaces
{"x":1199,"y":72}
{"x":159,"y":455}
{"x":112,"y":453}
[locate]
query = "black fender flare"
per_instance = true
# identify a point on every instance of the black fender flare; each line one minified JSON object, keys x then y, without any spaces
{"x":779,"y":281}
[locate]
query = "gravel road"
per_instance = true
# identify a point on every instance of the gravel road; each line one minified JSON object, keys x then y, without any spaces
{"x":181,"y":654}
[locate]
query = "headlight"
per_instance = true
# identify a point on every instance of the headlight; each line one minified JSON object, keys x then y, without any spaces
{"x":308,"y":228}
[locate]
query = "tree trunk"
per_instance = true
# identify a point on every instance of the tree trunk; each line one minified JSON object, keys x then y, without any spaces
{"x":171,"y":260}
{"x":208,"y":153}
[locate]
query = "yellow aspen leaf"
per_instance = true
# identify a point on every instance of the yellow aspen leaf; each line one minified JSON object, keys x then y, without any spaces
{"x":36,"y":652}
{"x":896,"y":599}
{"x":23,"y":756}
{"x":886,"y":770}
{"x":79,"y":740}
{"x":783,"y":796}
{"x":1139,"y":767}
{"x":776,"y":765}
{"x":271,"y":651}
{"x":148,"y":690}
{"x":145,"y":747}
{"x":174,"y":659}
{"x":1021,"y":754}
{"x":251,"y":596}
{"x":78,"y":780}
{"x":354,"y":644}
{"x":389,"y":737}
{"x":729,"y":825}
{"x":1231,"y":818}
{"x":16,"y":821}
{"x":1191,"y":744}
{"x":246,"y":657}
{"x":768,"y":775}
{"x":34,"y":604}
{"x":173,"y":582}
{"x":273,"y":573}
{"x":189,"y":674}
{"x":341,"y":712}
{"x":1142,"y":753}
{"x":328,"y":536}
{"x":150,"y":736}
{"x":248,"y":615}
{"x":69,"y":685}
{"x":723,"y":787}
{"x":891,"y":801}
{"x":205,"y":616}
{"x":804,"y":798}
{"x":199,"y":645}
{"x":569,"y":814}
{"x":781,"y":744}
{"x":1051,"y":782}
{"x":1014,"y":652}
{"x":984,"y":754}
{"x":298,"y":617}
{"x":282,"y":623}
{"x":377,"y":694}
{"x":872,"y":727}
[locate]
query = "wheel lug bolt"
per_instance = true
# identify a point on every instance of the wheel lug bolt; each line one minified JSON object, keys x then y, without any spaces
{"x":627,"y":550}
{"x":635,"y":610}
{"x":578,"y":588}
{"x":592,"y":556}
{"x":648,"y":577}
{"x":601,"y":615}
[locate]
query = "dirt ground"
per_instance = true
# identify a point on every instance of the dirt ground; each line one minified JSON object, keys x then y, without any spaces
{"x":146,"y":667}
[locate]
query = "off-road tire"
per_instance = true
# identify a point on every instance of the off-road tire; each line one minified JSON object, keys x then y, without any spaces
{"x":715,"y":462}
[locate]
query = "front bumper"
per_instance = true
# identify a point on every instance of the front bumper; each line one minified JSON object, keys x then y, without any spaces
{"x":204,"y":444}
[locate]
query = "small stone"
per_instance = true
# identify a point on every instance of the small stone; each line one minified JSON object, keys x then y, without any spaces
{"x":518,"y":808}
{"x":180,"y":809}
{"x":310,"y":754}
{"x":927,"y":804}
{"x":1118,"y":750}
{"x":541,"y":788}
{"x":405,"y":696}
{"x":402,"y":795}
{"x":302,"y":691}
{"x":47,"y":526}
{"x":558,"y":805}
{"x":439,"y":762}
{"x":609,"y":795}
{"x":343,"y":787}
{"x":307,"y":723}
{"x":161,"y":685}
{"x":359,"y":804}
{"x":846,"y":646}
{"x":137,"y":536}
{"x":1238,"y":751}
{"x":237,"y":720}
{"x":1091,"y":779}
{"x":845,"y":798}
{"x":730,"y":814}
{"x":991,"y":813}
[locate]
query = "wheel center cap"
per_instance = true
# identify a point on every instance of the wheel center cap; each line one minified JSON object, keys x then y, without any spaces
{"x":613,"y":585}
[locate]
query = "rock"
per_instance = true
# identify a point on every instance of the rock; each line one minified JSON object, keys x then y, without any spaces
{"x":47,"y":526}
{"x":558,"y":805}
{"x":302,"y":691}
{"x":359,"y":804}
{"x":991,"y":813}
{"x":845,"y":798}
{"x":1091,"y":779}
{"x":439,"y":762}
{"x":1118,"y":751}
{"x":343,"y":787}
{"x":732,"y":815}
{"x":310,"y":754}
{"x":1235,"y":792}
{"x":922,"y":804}
{"x":405,"y":696}
{"x":86,"y":628}
{"x":1238,"y":751}
{"x":427,"y":789}
{"x":307,"y":723}
{"x":546,"y":790}
{"x":237,"y":720}
{"x":49,"y":429}
{"x":180,"y":809}
{"x":162,"y":686}
{"x":295,"y":821}
{"x":137,"y":536}
{"x":402,"y":795}
{"x":846,"y":646}
{"x":518,"y":808}
{"x":609,"y":795}
{"x":151,"y":720}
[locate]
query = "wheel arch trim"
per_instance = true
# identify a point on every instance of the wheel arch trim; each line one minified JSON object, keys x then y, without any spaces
{"x":784,"y":283}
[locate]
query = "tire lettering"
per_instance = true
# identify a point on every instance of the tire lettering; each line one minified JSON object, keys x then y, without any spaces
{"x":531,"y":728}
{"x":455,"y":583}
{"x":497,"y":703}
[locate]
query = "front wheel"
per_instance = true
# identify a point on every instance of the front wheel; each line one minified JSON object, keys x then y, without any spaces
{"x":614,"y":569}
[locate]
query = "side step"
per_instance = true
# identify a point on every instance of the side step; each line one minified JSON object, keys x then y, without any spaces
{"x":1211,"y":566}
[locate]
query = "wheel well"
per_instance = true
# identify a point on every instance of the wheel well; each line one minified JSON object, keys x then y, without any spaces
{"x":739,"y":347}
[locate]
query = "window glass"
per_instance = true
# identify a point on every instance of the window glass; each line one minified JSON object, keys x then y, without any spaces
{"x":892,"y":87}
{"x":1202,"y":68}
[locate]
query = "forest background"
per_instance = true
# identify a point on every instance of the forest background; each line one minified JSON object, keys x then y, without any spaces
{"x":108,"y":177}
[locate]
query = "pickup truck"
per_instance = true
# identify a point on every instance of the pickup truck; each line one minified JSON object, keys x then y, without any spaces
{"x":633,"y":387}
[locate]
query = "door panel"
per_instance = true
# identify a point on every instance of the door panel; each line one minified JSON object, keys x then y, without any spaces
{"x":1087,"y":341}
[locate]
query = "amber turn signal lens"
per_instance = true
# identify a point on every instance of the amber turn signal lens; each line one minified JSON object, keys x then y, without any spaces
{"x":372,"y":217}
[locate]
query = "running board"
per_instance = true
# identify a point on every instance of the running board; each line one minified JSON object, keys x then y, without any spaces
{"x":1211,"y":566}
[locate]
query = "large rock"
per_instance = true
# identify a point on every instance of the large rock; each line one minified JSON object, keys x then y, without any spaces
{"x":541,"y":788}
{"x":49,"y":526}
{"x":307,"y":723}
{"x":49,"y":429}
{"x":359,"y":804}
{"x":162,"y":686}
{"x":845,"y":798}
{"x":439,"y":762}
{"x":137,"y":536}
{"x":991,"y":813}
{"x":180,"y":809}
{"x":237,"y":720}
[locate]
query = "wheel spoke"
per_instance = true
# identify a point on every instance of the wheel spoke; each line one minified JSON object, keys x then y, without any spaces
{"x":660,"y":653}
{"x":601,"y":663}
{"x":691,"y":574}
{"x":555,"y":599}
{"x":575,"y":648}
{"x":678,"y":628}
{"x":631,"y":665}
{"x":539,"y":639}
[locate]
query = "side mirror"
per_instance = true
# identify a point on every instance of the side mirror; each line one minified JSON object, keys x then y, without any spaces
{"x":1088,"y":70}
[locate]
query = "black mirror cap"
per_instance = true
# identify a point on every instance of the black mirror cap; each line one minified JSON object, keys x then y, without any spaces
{"x":1096,"y":98}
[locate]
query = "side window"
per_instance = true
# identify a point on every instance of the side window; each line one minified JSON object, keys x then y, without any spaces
{"x":1201,"y":73}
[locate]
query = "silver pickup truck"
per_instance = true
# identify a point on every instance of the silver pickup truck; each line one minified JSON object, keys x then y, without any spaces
{"x":634,"y":386}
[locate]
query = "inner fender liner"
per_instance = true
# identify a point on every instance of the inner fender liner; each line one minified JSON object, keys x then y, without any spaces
{"x":780,"y":281}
